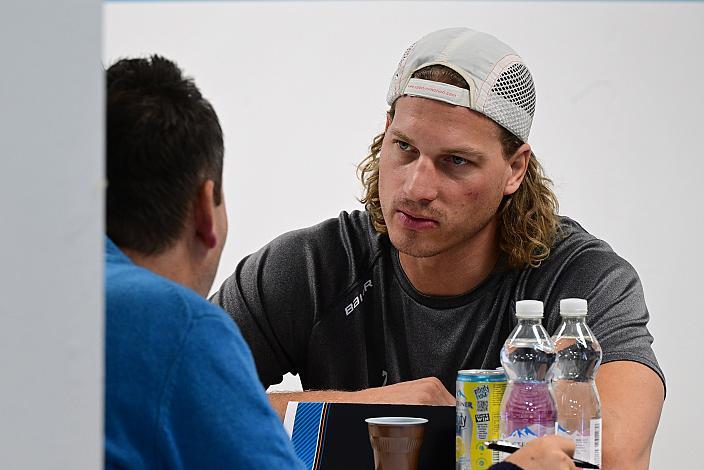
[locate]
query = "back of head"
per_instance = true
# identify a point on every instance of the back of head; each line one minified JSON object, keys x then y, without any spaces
{"x":163,"y":141}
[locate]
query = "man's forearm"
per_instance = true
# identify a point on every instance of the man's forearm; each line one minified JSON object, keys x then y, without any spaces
{"x":631,"y":398}
{"x":279,"y":400}
{"x":426,"y":391}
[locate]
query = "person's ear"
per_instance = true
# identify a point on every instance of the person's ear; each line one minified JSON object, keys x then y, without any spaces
{"x":204,"y":214}
{"x":518,"y":165}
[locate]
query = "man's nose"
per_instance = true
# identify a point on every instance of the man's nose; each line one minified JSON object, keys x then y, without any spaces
{"x":422,"y":180}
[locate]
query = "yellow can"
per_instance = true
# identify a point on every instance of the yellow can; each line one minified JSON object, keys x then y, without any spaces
{"x":478,"y":394}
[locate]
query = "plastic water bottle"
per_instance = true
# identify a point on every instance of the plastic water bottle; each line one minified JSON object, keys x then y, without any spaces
{"x":527,"y":408}
{"x":576,"y":396}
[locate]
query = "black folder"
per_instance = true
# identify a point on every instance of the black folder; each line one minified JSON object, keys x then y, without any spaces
{"x":334,"y":436}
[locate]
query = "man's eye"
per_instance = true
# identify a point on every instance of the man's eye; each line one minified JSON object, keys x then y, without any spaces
{"x":403,"y":145}
{"x":458,"y":160}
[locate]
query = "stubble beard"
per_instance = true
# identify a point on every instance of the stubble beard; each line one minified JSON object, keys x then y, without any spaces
{"x":411,"y":243}
{"x":427,"y":244}
{"x":409,"y":246}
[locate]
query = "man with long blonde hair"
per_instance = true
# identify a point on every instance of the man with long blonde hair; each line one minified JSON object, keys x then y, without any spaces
{"x":386,"y":305}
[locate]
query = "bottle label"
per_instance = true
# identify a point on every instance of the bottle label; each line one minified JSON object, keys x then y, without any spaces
{"x":588,"y":445}
{"x":595,"y":448}
{"x":520,"y":436}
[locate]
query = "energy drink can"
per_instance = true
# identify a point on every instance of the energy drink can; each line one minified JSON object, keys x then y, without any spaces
{"x":478,"y":396}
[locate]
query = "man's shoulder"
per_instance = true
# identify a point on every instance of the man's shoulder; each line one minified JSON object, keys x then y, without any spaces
{"x":349,"y":236}
{"x":356,"y":224}
{"x":139,"y":295}
{"x":301,"y":274}
{"x":578,"y":262}
{"x":574,"y":244}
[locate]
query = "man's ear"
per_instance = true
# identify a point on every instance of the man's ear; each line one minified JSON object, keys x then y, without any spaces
{"x":518,"y":165}
{"x":204,"y":214}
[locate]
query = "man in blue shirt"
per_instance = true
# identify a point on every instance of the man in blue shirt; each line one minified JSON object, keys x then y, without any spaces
{"x":181,"y":390}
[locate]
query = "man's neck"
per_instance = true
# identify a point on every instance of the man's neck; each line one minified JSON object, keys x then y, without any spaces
{"x":456,"y":271}
{"x":172,"y":264}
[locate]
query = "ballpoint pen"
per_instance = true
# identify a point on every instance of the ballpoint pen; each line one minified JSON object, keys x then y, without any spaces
{"x":507,"y":447}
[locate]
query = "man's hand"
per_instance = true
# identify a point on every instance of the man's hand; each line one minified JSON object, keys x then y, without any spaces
{"x":426,"y":391}
{"x":546,"y":453}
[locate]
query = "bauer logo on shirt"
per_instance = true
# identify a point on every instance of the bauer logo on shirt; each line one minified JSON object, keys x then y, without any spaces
{"x":358,"y":299}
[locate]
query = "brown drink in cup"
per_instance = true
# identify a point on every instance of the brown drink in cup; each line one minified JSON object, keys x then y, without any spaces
{"x":396,"y":442}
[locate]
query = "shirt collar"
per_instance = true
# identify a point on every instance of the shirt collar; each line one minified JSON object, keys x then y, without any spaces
{"x":114,"y":254}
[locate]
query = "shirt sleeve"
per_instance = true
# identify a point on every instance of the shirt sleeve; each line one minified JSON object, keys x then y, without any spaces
{"x":214,"y":412}
{"x":618,"y":315}
{"x":272,"y":298}
{"x":279,"y":294}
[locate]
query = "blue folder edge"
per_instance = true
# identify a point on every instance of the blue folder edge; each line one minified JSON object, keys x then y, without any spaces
{"x":305,"y":423}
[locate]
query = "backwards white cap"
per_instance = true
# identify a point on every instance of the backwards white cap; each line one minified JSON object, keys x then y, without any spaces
{"x":500,"y":85}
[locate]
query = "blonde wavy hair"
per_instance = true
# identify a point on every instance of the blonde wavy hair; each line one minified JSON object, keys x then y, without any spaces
{"x":528,"y":220}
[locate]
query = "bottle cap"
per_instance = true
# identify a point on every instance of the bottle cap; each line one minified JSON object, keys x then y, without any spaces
{"x":573,"y":307}
{"x":529,"y":309}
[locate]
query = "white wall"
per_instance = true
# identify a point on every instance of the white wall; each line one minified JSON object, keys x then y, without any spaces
{"x":51,"y":206}
{"x":300,"y":90}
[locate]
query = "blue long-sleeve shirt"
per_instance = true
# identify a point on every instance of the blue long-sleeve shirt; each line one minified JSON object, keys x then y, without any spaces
{"x":181,"y":389}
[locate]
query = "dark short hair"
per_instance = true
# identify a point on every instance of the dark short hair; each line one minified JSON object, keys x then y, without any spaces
{"x":163,"y":142}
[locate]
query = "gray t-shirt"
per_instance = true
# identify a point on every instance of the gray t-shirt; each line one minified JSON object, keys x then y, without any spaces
{"x":332,"y":303}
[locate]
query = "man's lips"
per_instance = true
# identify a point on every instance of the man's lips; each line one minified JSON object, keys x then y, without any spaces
{"x":415,"y":222}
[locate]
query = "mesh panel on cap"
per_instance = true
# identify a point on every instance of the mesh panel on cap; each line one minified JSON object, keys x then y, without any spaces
{"x":511,"y":101}
{"x":395,"y":88}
